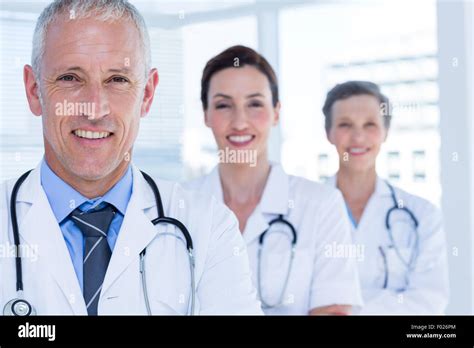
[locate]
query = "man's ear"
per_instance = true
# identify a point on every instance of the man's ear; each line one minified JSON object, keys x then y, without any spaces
{"x":150,"y":88}
{"x":32,"y":90}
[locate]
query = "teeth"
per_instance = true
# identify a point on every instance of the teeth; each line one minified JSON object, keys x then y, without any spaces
{"x":357,"y":150}
{"x":240,"y":138}
{"x":91,"y":135}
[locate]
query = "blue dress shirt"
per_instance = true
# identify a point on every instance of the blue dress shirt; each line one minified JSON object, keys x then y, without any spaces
{"x":351,"y":217}
{"x":63,"y":199}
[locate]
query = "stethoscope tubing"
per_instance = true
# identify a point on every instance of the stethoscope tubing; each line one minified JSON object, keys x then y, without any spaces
{"x":414,"y":254}
{"x":282,"y":220}
{"x":160,"y":219}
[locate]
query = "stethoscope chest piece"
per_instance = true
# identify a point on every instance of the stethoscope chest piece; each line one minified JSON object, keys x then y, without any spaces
{"x":18,"y":307}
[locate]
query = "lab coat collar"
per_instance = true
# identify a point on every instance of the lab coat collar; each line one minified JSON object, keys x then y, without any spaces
{"x":213,"y":186}
{"x":275,"y":199}
{"x":39,"y":227}
{"x":137,"y":230}
{"x":142,"y":193}
{"x":31,"y":187}
{"x":60,"y":194}
{"x":275,"y":194}
{"x":381,"y":187}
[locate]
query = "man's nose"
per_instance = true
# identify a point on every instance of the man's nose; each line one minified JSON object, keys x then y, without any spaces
{"x":97,"y":103}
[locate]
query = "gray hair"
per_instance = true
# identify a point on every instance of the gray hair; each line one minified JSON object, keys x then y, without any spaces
{"x":104,"y":10}
{"x":354,"y":88}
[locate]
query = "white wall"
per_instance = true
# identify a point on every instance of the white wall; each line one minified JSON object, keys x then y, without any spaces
{"x":455,"y":37}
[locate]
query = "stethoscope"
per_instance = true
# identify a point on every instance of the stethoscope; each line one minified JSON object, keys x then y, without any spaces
{"x":280,"y":219}
{"x":410,"y":263}
{"x":21,"y":307}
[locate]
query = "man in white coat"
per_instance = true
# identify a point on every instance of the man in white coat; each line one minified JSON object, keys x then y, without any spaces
{"x":84,"y":214}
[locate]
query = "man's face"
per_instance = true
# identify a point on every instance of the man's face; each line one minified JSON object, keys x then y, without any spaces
{"x":94,"y":91}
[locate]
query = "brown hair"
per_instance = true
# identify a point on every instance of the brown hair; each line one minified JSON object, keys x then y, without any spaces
{"x":237,"y":57}
{"x":353,"y":88}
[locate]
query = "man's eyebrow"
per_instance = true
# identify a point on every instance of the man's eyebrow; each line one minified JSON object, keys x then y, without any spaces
{"x":120,"y":70}
{"x":78,"y":68}
{"x":72,"y":68}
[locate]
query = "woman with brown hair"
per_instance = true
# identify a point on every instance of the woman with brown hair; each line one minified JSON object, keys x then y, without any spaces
{"x":292,"y":226}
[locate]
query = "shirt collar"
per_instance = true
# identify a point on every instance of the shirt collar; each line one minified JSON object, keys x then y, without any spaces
{"x":64,"y":199}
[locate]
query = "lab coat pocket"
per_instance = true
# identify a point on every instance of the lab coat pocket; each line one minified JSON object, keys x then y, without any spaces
{"x":171,"y":299}
{"x":285,"y":280}
{"x":165,"y":307}
{"x":398,"y":261}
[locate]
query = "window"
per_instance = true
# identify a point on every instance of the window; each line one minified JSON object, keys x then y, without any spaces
{"x":323,"y":167}
{"x":21,"y":142}
{"x":393,"y":165}
{"x":199,"y":146}
{"x":419,"y":166}
{"x":173,"y":142}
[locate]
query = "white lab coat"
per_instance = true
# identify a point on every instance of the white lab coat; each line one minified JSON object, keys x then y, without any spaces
{"x":318,"y":215}
{"x":428,"y":286}
{"x":223,"y":279}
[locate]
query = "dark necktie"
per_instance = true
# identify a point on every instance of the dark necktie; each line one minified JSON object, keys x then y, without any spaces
{"x":94,"y":225}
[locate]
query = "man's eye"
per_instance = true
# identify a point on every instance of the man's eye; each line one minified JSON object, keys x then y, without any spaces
{"x":119,"y":79}
{"x":67,"y":78}
{"x":255,"y":104}
{"x":344,"y":125}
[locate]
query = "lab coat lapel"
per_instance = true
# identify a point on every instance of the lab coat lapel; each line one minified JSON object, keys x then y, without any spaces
{"x":256,"y":225}
{"x":212,"y":185}
{"x":136,"y":232}
{"x":40,"y":228}
{"x":275,"y":201}
{"x":372,"y":206}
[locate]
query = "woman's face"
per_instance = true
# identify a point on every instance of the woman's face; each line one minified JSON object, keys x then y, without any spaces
{"x":357,"y":131}
{"x":240,"y":110}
